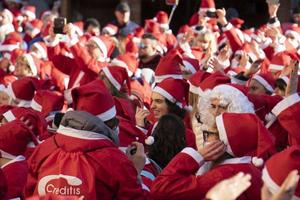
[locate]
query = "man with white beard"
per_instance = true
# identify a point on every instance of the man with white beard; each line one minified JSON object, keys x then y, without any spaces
{"x":6,"y":26}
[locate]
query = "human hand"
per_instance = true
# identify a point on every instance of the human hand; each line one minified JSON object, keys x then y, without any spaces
{"x":213,"y":150}
{"x":286,"y":191}
{"x":140,"y":116}
{"x":292,"y":86}
{"x":136,"y":153}
{"x":221,"y":16}
{"x":230,"y":189}
{"x":273,"y":8}
{"x":254,"y":68}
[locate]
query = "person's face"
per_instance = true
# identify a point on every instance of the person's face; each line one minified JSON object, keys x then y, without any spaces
{"x":159,"y":106}
{"x":93,"y":30}
{"x":94,"y":50}
{"x":216,"y":107}
{"x":4,"y":98}
{"x":279,"y":92}
{"x":256,"y":88}
{"x":146,"y":49}
{"x":122,"y":17}
{"x":22,"y":69}
{"x":296,"y":18}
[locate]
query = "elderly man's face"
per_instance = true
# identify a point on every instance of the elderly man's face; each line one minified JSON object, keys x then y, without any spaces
{"x":217,"y":107}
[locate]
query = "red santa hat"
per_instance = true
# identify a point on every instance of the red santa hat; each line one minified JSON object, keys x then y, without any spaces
{"x":110,"y":29}
{"x":9,"y":15}
{"x":33,"y":62}
{"x":163,"y":19}
{"x":46,"y":101}
{"x":183,"y":30}
{"x":279,"y":61}
{"x":249,"y":137}
{"x":84,"y":98}
{"x":42,"y":49}
{"x":152,"y":26}
{"x":131,"y":47}
{"x":279,"y":166}
{"x":207,"y":5}
{"x":105,"y":44}
{"x":266,"y":79}
{"x":190,"y":64}
{"x":196,"y":79}
{"x":35,"y":119}
{"x":127,"y":61}
{"x":175,"y":90}
{"x":246,"y":48}
{"x":22,"y":90}
{"x":169,"y":66}
{"x":29,"y":10}
{"x":118,"y":77}
{"x":237,"y":22}
{"x":212,"y":81}
{"x":15,"y":54}
{"x":35,"y":26}
{"x":14,"y":139}
{"x":11,"y":42}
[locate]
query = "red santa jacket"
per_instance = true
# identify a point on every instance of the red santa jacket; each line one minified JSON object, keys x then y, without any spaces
{"x":15,"y":173}
{"x":82,"y":68}
{"x":178,"y":179}
{"x":116,"y":177}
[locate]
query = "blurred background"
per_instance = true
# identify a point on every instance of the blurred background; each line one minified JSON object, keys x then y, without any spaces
{"x":254,"y":12}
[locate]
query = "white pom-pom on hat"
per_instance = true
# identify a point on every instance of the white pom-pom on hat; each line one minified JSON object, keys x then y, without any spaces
{"x":257,"y":162}
{"x":149,"y":140}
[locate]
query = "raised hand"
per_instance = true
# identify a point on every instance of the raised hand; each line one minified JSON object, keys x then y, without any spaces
{"x":213,"y":150}
{"x":230,"y":189}
{"x":293,"y":83}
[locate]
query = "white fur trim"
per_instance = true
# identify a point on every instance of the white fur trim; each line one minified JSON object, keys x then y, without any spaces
{"x":9,"y":47}
{"x":274,"y":25}
{"x":194,"y":89}
{"x":276,"y":67}
{"x":40,"y":49}
{"x":159,"y":79}
{"x":4,"y":154}
{"x":164,"y":26}
{"x":73,"y":41}
{"x":109,"y":114}
{"x":189,"y":66}
{"x":167,"y":95}
{"x":206,"y":9}
{"x":262,"y":81}
{"x":194,"y":154}
{"x":258,"y":162}
{"x":31,"y":63}
{"x":121,"y":63}
{"x":149,"y":140}
{"x":10,"y":92}
{"x":285,"y":103}
{"x":223,"y":134}
{"x":101,"y":45}
{"x":28,"y":13}
{"x":81,"y":134}
{"x":13,"y":160}
{"x":110,"y":30}
{"x":227,"y":27}
{"x":36,"y":106}
{"x":50,"y":43}
{"x":111,"y":78}
{"x":9,"y":116}
{"x":24,"y":103}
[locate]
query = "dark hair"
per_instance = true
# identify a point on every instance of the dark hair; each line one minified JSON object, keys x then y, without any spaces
{"x":174,"y":109}
{"x":296,"y":10}
{"x":169,"y":139}
{"x":279,"y":83}
{"x":91,"y":22}
{"x":149,"y":36}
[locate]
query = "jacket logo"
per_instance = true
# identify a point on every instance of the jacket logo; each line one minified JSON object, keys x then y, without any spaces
{"x":71,"y":188}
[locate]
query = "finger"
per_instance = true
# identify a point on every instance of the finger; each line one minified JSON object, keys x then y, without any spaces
{"x":291,"y":180}
{"x":265,"y":193}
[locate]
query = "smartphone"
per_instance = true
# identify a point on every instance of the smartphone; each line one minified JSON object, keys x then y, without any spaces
{"x":272,"y":1}
{"x":211,"y":14}
{"x":59,"y":24}
{"x":172,"y":2}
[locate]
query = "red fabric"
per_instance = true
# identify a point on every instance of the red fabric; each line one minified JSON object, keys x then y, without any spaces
{"x":115,"y":175}
{"x":16,"y":175}
{"x":3,"y":185}
{"x":178,"y":179}
{"x":125,"y":109}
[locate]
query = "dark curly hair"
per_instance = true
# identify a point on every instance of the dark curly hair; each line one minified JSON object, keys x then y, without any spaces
{"x":169,"y":139}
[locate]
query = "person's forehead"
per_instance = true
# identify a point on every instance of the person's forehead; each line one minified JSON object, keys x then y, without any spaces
{"x":157,"y":96}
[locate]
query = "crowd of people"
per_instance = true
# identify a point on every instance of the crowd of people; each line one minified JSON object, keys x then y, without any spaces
{"x":134,"y":112}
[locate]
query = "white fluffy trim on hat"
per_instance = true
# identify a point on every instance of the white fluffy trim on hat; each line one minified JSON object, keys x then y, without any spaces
{"x":257,"y":162}
{"x":149,"y":140}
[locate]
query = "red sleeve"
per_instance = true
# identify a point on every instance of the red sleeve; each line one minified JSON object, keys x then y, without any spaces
{"x":83,"y":58}
{"x":190,"y":139}
{"x":233,"y":37}
{"x":178,"y":179}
